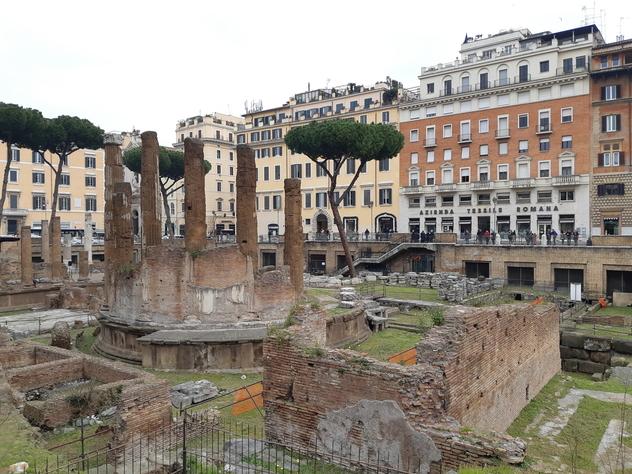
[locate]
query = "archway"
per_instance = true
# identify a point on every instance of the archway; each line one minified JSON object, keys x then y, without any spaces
{"x":322,"y":223}
{"x":386,"y":223}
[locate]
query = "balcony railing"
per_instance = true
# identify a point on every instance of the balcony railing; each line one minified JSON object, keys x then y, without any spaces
{"x":502,"y":133}
{"x":522,"y":183}
{"x":430,"y":142}
{"x":482,"y":184}
{"x":442,"y":188}
{"x":565,"y":180}
{"x":544,"y":128}
{"x":465,"y":138}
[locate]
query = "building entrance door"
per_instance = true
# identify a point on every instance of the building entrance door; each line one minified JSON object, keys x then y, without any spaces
{"x":484,"y":223}
{"x":322,"y":224}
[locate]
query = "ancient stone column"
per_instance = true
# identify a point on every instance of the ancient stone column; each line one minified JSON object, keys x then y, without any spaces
{"x":293,"y":238}
{"x":56,"y":266}
{"x":45,"y":244}
{"x":26,"y":256}
{"x":84,"y":265}
{"x":87,"y":236}
{"x":67,"y":250}
{"x":122,"y":225}
{"x":114,"y":173}
{"x":150,"y":190}
{"x":246,"y":203}
{"x":194,"y":196}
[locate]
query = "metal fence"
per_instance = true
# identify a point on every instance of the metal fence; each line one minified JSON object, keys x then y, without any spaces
{"x":201,"y":442}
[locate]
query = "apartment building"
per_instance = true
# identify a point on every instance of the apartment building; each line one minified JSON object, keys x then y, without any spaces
{"x":30,"y":190}
{"x":499,"y":139}
{"x":372,"y":203}
{"x":218,"y":132}
{"x":611,"y":97}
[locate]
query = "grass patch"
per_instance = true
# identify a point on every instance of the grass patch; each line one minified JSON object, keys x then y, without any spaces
{"x":614,"y":311}
{"x":84,"y":344}
{"x":487,"y":470}
{"x":317,"y":293}
{"x":18,"y":440}
{"x":414,"y":293}
{"x":383,"y":344}
{"x":338,"y":311}
{"x":613,"y":332}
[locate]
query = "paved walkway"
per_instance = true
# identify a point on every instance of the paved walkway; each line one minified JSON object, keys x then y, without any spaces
{"x":36,"y":322}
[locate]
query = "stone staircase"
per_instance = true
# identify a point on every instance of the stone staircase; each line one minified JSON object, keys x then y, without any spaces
{"x":388,"y":255}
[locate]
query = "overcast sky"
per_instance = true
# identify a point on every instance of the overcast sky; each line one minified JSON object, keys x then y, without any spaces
{"x":125,"y":64}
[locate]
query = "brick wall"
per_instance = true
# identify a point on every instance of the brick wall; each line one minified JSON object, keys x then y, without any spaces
{"x":495,"y":360}
{"x":42,"y":375}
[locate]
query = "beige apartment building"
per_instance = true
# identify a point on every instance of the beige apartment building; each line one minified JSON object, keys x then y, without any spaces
{"x":371,"y":205}
{"x":218,"y":133}
{"x":30,"y":191}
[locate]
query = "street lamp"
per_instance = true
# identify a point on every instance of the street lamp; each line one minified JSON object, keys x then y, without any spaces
{"x":494,"y":216}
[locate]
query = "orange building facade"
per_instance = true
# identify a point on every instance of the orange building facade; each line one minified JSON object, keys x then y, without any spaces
{"x":611,"y":97}
{"x":499,"y":140}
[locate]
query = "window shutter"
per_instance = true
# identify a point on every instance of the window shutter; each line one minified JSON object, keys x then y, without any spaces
{"x":603,"y":92}
{"x":600,"y":190}
{"x":618,"y":122}
{"x":600,"y":159}
{"x":603,"y":123}
{"x":621,"y":158}
{"x":618,"y":91}
{"x":621,"y":189}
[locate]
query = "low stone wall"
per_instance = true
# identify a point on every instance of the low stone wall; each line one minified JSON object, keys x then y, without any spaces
{"x":347,"y":328}
{"x":20,"y":298}
{"x":590,"y":354}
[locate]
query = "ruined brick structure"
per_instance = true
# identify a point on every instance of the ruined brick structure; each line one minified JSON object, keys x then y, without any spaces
{"x":194,"y":207}
{"x":293,"y":243}
{"x":150,"y":197}
{"x":181,"y":306}
{"x":26,"y":255}
{"x":142,"y":401}
{"x":478,"y":369}
{"x":84,"y":265}
{"x":57,"y":267}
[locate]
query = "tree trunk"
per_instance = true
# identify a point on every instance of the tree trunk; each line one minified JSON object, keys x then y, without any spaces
{"x":5,"y":181}
{"x":53,"y":207}
{"x":165,"y":204}
{"x":341,"y":231}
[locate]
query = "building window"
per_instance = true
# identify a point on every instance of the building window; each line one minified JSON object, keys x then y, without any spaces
{"x":503,"y":198}
{"x":523,"y":197}
{"x":219,"y":186}
{"x":567,"y":141}
{"x":503,"y":148}
{"x":266,"y":173}
{"x":465,"y":200}
{"x":615,"y":60}
{"x":91,"y":203}
{"x":446,"y":176}
{"x":38,"y":177}
{"x":545,"y":144}
{"x":430,"y":178}
{"x":363,"y":119}
{"x":447,"y":87}
{"x":523,"y":121}
{"x":231,"y":187}
{"x":567,"y":195}
{"x":308,"y":200}
{"x":386,"y":196}
{"x":483,"y":80}
{"x":544,"y":169}
{"x":566,"y":168}
{"x":254,"y":137}
{"x":611,"y":189}
{"x":308,"y":170}
{"x":321,"y":199}
{"x":265,"y":135}
{"x":276,"y":202}
{"x":266,"y":203}
{"x":39,"y":202}
{"x":320,"y":171}
{"x":295,"y":171}
{"x":90,"y":161}
{"x":414,"y":135}
{"x":611,"y":226}
{"x":447,"y":154}
{"x":503,"y":78}
{"x":91,"y":181}
{"x":384,"y":164}
{"x":544,"y":66}
{"x":483,"y":150}
{"x":523,"y":170}
{"x":366,"y":197}
{"x":430,"y":112}
{"x":544,"y":121}
{"x":14,"y":200}
{"x":567,"y":114}
{"x":545,"y":196}
{"x":37,"y":158}
{"x":277,"y":172}
{"x":611,"y":155}
{"x":386,"y":117}
{"x":603,"y":61}
{"x":611,"y":92}
{"x":15,"y":154}
{"x":611,"y":123}
{"x":483,"y":126}
{"x":13,"y":176}
{"x":172,"y":208}
{"x":414,"y":158}
{"x":64,"y":179}
{"x":483,"y":173}
{"x":413,"y":178}
{"x":503,"y":172}
{"x":465,"y":152}
{"x":231,"y":171}
{"x":523,"y":146}
{"x":241,"y":139}
{"x":430,"y":88}
{"x":64,"y":203}
{"x":465,"y":175}
{"x":430,"y":156}
{"x":349,"y":199}
{"x":430,"y":201}
{"x":483,"y":199}
{"x":447,"y":131}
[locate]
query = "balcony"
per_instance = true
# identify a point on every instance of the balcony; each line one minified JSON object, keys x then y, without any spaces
{"x":412,"y":189}
{"x":522,"y":183}
{"x":565,"y":180}
{"x":502,"y":133}
{"x":482,"y":184}
{"x":544,"y":129}
{"x":430,"y":142}
{"x":465,"y":138}
{"x":444,"y":188}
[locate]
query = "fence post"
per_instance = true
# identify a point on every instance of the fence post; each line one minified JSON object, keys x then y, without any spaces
{"x":184,"y":442}
{"x":83,"y":452}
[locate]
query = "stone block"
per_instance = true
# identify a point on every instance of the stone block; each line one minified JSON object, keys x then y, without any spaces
{"x":589,"y":367}
{"x":186,"y":393}
{"x":622,"y":347}
{"x":347,"y":304}
{"x":571,"y":339}
{"x":370,"y":278}
{"x":597,"y":344}
{"x":572,"y":353}
{"x":569,"y":365}
{"x":60,"y":335}
{"x":600,"y":357}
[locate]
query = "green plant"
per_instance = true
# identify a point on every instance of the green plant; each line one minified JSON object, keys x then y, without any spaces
{"x":196,"y":253}
{"x":127,"y":269}
{"x":361,"y":361}
{"x":279,"y":335}
{"x":314,"y":351}
{"x":437,"y":316}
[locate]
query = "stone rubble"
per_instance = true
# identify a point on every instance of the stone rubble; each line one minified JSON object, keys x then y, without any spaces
{"x":188,"y":393}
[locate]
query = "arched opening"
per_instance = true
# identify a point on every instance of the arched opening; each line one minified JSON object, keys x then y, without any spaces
{"x":322,"y":224}
{"x":386,"y":223}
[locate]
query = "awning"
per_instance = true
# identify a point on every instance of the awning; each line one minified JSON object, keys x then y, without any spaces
{"x":465,"y":220}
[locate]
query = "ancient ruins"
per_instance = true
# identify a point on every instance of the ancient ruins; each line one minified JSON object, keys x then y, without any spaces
{"x":198,"y":305}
